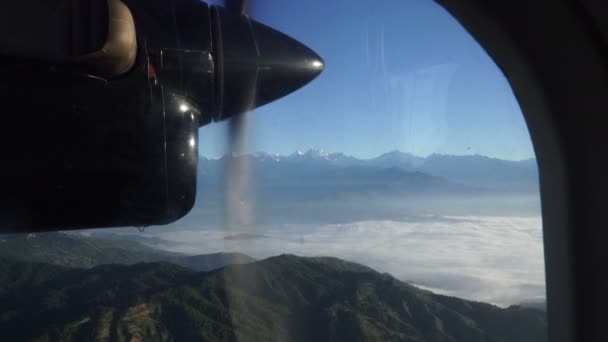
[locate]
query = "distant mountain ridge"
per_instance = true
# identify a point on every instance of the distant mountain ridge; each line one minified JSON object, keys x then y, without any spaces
{"x":394,"y":158}
{"x":471,"y":170}
{"x":79,"y":251}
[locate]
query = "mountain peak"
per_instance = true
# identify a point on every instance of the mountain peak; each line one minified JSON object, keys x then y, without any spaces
{"x":317,"y":155}
{"x":396,"y":158}
{"x":312,"y":152}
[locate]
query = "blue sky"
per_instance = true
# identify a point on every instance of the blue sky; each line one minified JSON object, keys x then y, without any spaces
{"x":400,"y":74}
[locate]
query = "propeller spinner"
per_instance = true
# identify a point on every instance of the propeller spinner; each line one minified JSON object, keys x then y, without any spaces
{"x":256,"y":64}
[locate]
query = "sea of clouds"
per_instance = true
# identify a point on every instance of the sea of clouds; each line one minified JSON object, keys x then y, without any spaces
{"x":496,"y":259}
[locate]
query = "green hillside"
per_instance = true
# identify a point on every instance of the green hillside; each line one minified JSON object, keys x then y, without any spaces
{"x":80,"y":251}
{"x":284,"y":298}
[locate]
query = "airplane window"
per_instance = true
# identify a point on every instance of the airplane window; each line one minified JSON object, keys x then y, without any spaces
{"x":394,"y":197}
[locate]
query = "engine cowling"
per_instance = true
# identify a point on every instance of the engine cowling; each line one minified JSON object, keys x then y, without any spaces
{"x":86,"y":149}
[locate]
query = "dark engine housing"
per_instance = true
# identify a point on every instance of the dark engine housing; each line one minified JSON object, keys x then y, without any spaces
{"x":101,"y":115}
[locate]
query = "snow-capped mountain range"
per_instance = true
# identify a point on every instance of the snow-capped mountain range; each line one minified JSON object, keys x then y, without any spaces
{"x":311,"y":155}
{"x":468,"y":169}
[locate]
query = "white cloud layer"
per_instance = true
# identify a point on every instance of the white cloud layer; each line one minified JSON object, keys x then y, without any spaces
{"x":485,"y":258}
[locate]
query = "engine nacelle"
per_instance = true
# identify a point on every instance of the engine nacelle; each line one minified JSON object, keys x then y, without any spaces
{"x":105,"y":133}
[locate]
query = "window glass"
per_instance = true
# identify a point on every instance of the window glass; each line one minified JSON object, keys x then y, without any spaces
{"x":395,"y":197}
{"x":340,"y":165}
